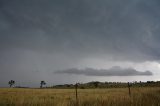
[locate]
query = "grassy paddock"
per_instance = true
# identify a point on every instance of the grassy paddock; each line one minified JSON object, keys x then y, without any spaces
{"x":145,"y":96}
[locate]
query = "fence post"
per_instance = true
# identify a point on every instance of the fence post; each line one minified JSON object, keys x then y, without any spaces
{"x":129,"y":89}
{"x":76,"y":86}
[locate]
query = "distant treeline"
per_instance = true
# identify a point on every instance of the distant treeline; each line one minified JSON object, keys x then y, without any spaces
{"x":97,"y":84}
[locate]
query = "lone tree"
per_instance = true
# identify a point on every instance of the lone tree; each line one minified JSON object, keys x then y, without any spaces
{"x":11,"y":83}
{"x":42,"y":83}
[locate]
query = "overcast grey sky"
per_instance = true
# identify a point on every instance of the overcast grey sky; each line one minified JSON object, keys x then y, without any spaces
{"x":68,"y":41}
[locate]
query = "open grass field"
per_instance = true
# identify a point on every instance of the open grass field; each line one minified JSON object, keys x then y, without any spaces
{"x":144,"y":96}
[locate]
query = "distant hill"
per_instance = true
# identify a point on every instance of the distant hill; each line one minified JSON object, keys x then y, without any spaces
{"x":97,"y":84}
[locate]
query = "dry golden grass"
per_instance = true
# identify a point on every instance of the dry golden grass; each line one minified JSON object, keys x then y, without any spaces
{"x":87,"y":97}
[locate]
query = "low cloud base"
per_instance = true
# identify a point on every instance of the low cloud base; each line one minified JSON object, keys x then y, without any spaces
{"x":114,"y":71}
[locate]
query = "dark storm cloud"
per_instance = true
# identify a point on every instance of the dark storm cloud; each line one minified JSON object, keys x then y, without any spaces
{"x":125,"y":30}
{"x":114,"y":71}
{"x":47,"y":35}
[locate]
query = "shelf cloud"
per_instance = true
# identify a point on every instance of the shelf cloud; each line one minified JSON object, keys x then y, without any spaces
{"x":114,"y":71}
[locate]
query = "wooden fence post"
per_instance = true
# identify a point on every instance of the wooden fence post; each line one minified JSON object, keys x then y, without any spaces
{"x":76,"y":86}
{"x":129,"y":89}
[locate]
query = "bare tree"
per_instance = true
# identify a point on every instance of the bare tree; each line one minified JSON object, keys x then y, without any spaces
{"x":11,"y":83}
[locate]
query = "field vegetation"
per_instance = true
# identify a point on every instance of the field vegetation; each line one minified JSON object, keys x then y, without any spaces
{"x":140,"y":96}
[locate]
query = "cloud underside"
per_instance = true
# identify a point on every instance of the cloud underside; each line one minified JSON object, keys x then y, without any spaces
{"x":114,"y":71}
{"x":123,"y":30}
